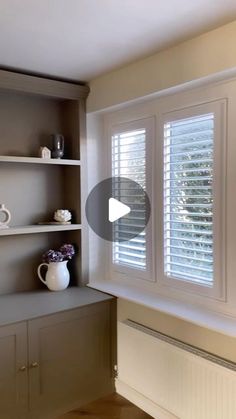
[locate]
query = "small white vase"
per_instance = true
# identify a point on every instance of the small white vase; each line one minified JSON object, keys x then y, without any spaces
{"x":57,"y":276}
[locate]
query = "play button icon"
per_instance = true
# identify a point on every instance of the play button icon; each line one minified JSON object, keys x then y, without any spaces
{"x":117,"y":210}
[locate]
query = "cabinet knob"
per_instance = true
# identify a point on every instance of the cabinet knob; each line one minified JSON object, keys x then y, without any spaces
{"x":34,"y":365}
{"x":22,"y":368}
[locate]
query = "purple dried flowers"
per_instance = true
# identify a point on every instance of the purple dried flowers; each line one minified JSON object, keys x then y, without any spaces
{"x":65,"y":252}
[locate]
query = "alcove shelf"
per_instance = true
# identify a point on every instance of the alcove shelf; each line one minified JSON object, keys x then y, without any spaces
{"x":32,"y":109}
{"x":13,"y":231}
{"x":38,"y":160}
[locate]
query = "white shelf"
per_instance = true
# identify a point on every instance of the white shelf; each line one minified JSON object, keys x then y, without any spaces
{"x":11,"y":231}
{"x":38,"y":160}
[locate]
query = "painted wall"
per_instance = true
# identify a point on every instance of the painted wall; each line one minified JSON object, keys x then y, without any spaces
{"x":199,"y":57}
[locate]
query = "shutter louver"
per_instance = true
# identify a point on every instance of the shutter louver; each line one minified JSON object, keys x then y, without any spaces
{"x":129,"y":161}
{"x":188,"y":199}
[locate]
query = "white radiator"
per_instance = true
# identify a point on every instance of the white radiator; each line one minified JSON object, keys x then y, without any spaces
{"x":170,"y":379}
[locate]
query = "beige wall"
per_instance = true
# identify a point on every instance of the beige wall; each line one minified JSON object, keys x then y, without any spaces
{"x":203,"y":56}
{"x":199,"y":57}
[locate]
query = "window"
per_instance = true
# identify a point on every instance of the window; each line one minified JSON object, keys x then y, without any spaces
{"x":188,"y":198}
{"x":130,"y":154}
{"x":184,"y":156}
{"x":192,"y":213}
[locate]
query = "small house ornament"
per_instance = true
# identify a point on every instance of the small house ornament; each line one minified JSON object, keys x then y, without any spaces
{"x":44,"y":153}
{"x":5,"y":216}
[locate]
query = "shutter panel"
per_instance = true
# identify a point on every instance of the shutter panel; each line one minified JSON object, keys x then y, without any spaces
{"x":188,"y":199}
{"x":129,"y":161}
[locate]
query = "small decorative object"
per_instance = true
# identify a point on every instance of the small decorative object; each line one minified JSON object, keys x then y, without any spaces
{"x":57,"y":276}
{"x":57,"y":146}
{"x":44,"y":153}
{"x":62,"y":216}
{"x":7,"y":216}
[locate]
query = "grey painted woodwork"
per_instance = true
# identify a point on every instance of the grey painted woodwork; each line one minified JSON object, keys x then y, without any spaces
{"x":41,"y":86}
{"x":57,"y":350}
{"x":38,"y":160}
{"x":84,"y":273}
{"x":14,"y":231}
{"x":23,"y":306}
{"x":31,"y":109}
{"x":53,"y":363}
{"x":69,"y":360}
{"x":13,"y":372}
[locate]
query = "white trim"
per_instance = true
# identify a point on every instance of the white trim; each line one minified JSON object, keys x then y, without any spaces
{"x":142,"y":402}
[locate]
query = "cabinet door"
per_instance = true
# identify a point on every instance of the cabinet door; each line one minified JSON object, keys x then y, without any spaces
{"x":13,"y":371}
{"x":70,"y":359}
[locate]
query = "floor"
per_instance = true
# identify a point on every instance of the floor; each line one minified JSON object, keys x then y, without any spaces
{"x":112,"y":407}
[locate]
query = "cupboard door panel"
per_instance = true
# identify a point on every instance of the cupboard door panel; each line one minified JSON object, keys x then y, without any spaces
{"x":73,"y":355}
{"x":13,"y":371}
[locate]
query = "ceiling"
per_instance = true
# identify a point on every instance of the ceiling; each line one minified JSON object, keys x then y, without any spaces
{"x":81,"y":39}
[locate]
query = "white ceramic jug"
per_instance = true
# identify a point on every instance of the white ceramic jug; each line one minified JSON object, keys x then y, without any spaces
{"x":57,"y":276}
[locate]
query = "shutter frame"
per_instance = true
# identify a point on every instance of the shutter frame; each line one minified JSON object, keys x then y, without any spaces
{"x":128,"y":141}
{"x":178,"y":287}
{"x":178,"y":266}
{"x":118,"y":270}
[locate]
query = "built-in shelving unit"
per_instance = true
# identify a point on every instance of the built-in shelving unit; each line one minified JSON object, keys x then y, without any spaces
{"x":38,"y":160}
{"x":48,"y":368}
{"x":32,"y":188}
{"x":13,"y":231}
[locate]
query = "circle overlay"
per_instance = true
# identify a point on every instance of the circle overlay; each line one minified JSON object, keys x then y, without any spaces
{"x":127,"y":192}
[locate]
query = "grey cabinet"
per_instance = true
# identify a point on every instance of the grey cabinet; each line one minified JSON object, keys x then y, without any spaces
{"x":67,"y":358}
{"x":13,"y":371}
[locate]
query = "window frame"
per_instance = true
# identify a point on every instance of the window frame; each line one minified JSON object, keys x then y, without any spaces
{"x":125,"y":272}
{"x":218,"y":291}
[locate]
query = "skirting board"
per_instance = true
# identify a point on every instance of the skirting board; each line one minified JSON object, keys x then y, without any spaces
{"x":142,"y":402}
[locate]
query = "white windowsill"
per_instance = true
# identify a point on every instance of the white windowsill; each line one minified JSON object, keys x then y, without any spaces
{"x":196,"y":315}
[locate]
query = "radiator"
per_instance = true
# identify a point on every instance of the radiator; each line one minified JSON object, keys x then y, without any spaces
{"x":172,"y":379}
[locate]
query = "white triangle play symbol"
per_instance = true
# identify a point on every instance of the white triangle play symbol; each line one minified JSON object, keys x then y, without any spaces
{"x":117,"y":210}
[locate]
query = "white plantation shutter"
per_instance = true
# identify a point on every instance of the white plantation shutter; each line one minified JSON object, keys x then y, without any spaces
{"x":188,"y":199}
{"x":129,"y":161}
{"x":179,"y":157}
